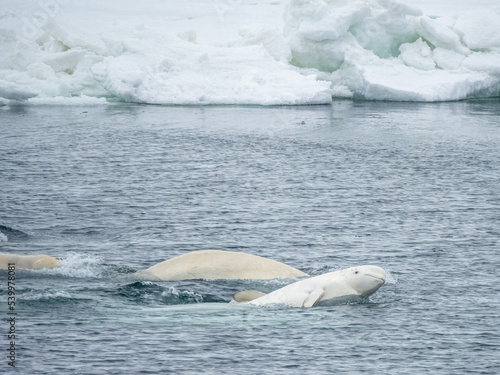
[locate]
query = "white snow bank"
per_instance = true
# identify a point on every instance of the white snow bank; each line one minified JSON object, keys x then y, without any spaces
{"x":55,"y":51}
{"x":143,"y":65}
{"x":161,"y":70}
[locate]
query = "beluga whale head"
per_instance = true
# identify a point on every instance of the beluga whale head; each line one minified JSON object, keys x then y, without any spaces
{"x":365,"y":280}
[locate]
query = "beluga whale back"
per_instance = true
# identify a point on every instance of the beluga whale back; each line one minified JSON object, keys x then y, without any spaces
{"x":34,"y":262}
{"x":218,"y":264}
{"x":355,"y":281}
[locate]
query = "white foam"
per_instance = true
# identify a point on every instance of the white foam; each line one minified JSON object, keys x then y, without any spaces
{"x":184,"y":293}
{"x":79,"y":266}
{"x":59,"y":52}
{"x":390,"y":278}
{"x":46,"y":295}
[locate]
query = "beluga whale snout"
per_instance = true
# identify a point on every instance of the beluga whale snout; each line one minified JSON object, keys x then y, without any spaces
{"x":366,"y":280}
{"x":355,"y":281}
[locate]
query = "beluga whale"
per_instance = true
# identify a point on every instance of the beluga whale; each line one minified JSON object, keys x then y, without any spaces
{"x":350,"y":282}
{"x":34,"y":262}
{"x":218,"y":264}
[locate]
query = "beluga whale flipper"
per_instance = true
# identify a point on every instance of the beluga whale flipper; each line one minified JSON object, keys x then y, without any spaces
{"x":355,"y":281}
{"x":33,"y":262}
{"x":218,"y":264}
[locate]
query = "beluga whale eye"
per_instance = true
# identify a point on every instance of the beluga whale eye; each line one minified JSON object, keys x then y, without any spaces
{"x":356,"y":272}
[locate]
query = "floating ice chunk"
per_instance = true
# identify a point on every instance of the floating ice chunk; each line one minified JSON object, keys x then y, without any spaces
{"x":76,"y":38}
{"x":370,"y":77}
{"x":400,"y":7}
{"x":441,"y":36}
{"x":488,"y":62}
{"x":320,"y":33}
{"x":480,"y":29}
{"x":447,"y":59}
{"x":188,"y":35}
{"x":414,"y":85}
{"x":333,"y":23}
{"x":341,"y":91}
{"x":417,"y":55}
{"x":387,"y":51}
{"x":65,"y":61}
{"x":12,"y":91}
{"x":8,"y":26}
{"x":40,"y":71}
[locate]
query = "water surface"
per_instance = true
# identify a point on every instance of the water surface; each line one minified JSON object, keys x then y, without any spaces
{"x":411,"y":187}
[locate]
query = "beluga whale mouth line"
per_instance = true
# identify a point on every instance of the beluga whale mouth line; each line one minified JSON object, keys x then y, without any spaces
{"x":376,"y":277}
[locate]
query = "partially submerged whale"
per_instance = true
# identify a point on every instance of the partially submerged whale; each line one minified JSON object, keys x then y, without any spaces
{"x":33,"y":262}
{"x":354,"y":281}
{"x":218,"y":264}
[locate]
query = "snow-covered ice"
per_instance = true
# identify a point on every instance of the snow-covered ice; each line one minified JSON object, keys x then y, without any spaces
{"x":239,"y":52}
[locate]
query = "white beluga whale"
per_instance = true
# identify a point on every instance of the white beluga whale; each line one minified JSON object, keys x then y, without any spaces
{"x":355,"y":281}
{"x":33,"y":262}
{"x":218,"y":264}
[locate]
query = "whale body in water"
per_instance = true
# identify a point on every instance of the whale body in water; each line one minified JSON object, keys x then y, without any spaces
{"x":218,"y":264}
{"x":33,"y":262}
{"x":354,"y":281}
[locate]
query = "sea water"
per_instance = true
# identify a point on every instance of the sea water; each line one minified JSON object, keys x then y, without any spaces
{"x":111,"y":189}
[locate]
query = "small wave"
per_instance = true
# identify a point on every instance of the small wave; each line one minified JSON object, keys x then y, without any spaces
{"x":10,"y":234}
{"x":149,"y":292}
{"x":321,"y":270}
{"x":264,"y":286}
{"x":390,"y":278}
{"x":345,"y":300}
{"x":50,"y":297}
{"x":36,"y":295}
{"x":184,"y":296}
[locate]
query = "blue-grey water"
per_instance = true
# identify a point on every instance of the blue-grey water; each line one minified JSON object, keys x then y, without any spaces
{"x":411,"y":187}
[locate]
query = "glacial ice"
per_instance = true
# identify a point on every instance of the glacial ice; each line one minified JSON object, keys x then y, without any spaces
{"x":61,"y":52}
{"x":385,"y":50}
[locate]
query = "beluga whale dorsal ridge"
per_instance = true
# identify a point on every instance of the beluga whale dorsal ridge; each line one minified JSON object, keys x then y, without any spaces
{"x":218,"y":264}
{"x":354,"y":281}
{"x":34,"y":262}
